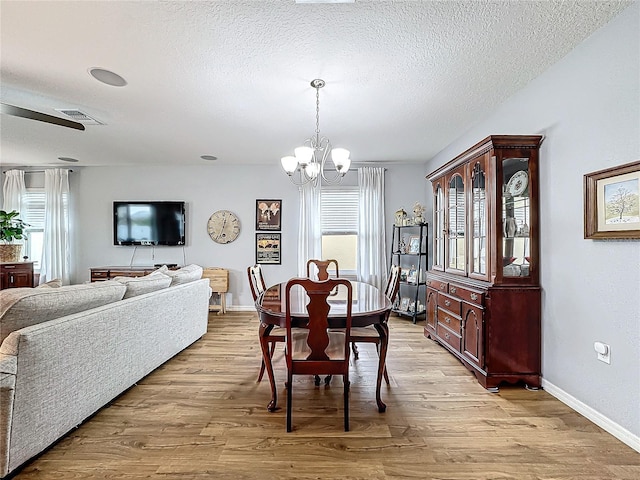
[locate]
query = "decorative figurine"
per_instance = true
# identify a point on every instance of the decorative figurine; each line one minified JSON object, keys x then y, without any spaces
{"x":418,"y":211}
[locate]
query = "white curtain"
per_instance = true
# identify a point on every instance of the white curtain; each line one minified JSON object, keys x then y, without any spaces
{"x":372,"y":258}
{"x":55,"y":252}
{"x":13,"y":191}
{"x":310,"y":235}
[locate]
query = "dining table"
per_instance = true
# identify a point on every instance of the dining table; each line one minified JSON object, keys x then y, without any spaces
{"x":369,"y":306}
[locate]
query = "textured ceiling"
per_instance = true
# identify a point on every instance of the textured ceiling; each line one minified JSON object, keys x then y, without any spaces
{"x":231,"y":78}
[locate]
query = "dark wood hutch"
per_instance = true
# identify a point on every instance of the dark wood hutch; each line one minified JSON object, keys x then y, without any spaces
{"x":483,"y":290}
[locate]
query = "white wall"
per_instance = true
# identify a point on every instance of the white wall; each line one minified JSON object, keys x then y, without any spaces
{"x":588,"y":108}
{"x":205,"y":189}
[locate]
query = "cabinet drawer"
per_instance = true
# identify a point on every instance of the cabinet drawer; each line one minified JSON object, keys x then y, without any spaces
{"x":448,"y":337}
{"x":449,"y":303}
{"x":128,"y":273}
{"x":471,"y":296}
{"x":449,"y":320}
{"x":103,"y":275}
{"x":438,"y":284}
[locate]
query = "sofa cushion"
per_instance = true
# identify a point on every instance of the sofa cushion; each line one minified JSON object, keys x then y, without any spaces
{"x":189,"y":273}
{"x":140,"y":285}
{"x":55,"y":283}
{"x":22,"y":307}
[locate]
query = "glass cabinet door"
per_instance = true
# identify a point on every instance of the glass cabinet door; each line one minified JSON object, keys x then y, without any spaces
{"x":479,"y":220}
{"x":516,"y":217}
{"x":439,"y":227}
{"x":457,"y":223}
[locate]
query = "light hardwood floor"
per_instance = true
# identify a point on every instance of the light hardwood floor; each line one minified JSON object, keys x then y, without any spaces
{"x":202,"y":415}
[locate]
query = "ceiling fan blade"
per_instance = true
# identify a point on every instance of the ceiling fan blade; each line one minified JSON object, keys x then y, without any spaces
{"x":41,"y":117}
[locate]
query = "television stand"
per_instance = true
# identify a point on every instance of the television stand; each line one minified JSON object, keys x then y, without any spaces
{"x":107,"y":273}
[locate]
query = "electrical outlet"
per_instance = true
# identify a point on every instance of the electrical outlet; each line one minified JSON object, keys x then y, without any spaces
{"x":604,"y":352}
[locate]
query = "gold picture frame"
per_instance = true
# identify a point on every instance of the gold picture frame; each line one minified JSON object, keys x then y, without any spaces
{"x":612,"y":203}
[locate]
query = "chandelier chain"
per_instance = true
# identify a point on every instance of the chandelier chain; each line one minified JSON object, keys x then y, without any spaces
{"x":317,"y":113}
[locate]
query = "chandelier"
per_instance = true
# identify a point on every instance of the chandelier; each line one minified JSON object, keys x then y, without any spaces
{"x":308,"y":164}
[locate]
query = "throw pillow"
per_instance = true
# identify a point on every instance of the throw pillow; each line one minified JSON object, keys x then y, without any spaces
{"x":187,"y":274}
{"x":55,"y":283}
{"x":141,"y":285}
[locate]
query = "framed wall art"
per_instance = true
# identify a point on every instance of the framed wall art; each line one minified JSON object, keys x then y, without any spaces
{"x":268,"y":215}
{"x":414,"y":244}
{"x":612,"y":202}
{"x":404,"y":304}
{"x":268,"y":248}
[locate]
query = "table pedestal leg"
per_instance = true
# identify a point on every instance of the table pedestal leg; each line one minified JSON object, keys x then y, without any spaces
{"x":263,"y":333}
{"x":383,"y":331}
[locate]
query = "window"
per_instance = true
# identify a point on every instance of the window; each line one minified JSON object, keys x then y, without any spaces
{"x":34,"y":207}
{"x":340,"y":207}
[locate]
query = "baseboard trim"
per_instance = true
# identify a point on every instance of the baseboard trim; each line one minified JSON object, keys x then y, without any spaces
{"x":241,"y":308}
{"x":596,"y":417}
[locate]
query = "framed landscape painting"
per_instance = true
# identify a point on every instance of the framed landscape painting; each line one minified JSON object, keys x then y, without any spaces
{"x":612,"y":202}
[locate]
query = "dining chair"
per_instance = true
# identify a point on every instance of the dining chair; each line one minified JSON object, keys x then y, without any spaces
{"x":322,"y":273}
{"x":370,"y":334}
{"x":318,"y":350}
{"x":256,"y":282}
{"x":322,"y":267}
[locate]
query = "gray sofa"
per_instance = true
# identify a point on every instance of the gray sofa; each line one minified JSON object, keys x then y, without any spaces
{"x":61,"y":368}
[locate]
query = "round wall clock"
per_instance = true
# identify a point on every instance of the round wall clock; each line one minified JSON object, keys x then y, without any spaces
{"x":223,"y":226}
{"x":518,"y":183}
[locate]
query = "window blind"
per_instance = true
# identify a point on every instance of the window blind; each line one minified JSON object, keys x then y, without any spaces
{"x":339,"y":207}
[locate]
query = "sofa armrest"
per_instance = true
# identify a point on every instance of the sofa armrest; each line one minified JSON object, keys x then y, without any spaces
{"x":8,"y":365}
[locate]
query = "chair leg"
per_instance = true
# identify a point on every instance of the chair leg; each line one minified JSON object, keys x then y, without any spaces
{"x":289,"y":398}
{"x":262,"y":366}
{"x":346,"y":404}
{"x":354,"y":349}
{"x":386,"y":375}
{"x":316,"y":379}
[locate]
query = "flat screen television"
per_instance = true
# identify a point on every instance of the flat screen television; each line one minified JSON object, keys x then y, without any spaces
{"x":148,"y":223}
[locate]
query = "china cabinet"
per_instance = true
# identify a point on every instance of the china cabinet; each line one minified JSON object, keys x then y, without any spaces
{"x":483,"y":291}
{"x":409,"y":251}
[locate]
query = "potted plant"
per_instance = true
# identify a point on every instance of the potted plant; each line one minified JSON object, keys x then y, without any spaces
{"x":11,"y":229}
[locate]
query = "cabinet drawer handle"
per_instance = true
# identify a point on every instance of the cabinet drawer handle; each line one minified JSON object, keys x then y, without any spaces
{"x":453,"y":289}
{"x":446,"y":335}
{"x":7,"y":267}
{"x":474,"y":296}
{"x":447,"y":303}
{"x":447,"y":319}
{"x":442,"y":285}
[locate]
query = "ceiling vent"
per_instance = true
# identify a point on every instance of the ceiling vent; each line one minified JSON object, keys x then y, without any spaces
{"x":78,"y":116}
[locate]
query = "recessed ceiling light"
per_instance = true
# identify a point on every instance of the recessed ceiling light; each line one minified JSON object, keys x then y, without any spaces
{"x":208,"y":157}
{"x":107,"y":76}
{"x":68,"y":159}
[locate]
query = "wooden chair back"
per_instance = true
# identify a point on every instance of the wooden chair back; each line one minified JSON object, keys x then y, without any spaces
{"x":318,"y":350}
{"x":393,"y":283}
{"x":256,"y":281}
{"x":322,"y":267}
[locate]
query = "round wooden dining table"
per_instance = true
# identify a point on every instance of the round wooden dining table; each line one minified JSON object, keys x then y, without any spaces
{"x":369,"y":306}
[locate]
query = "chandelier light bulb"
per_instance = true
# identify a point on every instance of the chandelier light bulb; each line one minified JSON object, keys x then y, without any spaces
{"x":312,"y":170}
{"x":304,"y":155}
{"x":340,"y":157}
{"x":289,"y":164}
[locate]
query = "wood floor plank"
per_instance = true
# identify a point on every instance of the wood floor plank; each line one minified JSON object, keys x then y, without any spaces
{"x":203,"y":416}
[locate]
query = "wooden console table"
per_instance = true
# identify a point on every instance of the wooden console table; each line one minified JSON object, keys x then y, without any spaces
{"x":107,"y":273}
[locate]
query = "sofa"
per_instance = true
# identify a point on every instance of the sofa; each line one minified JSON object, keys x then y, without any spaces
{"x":66,"y":351}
